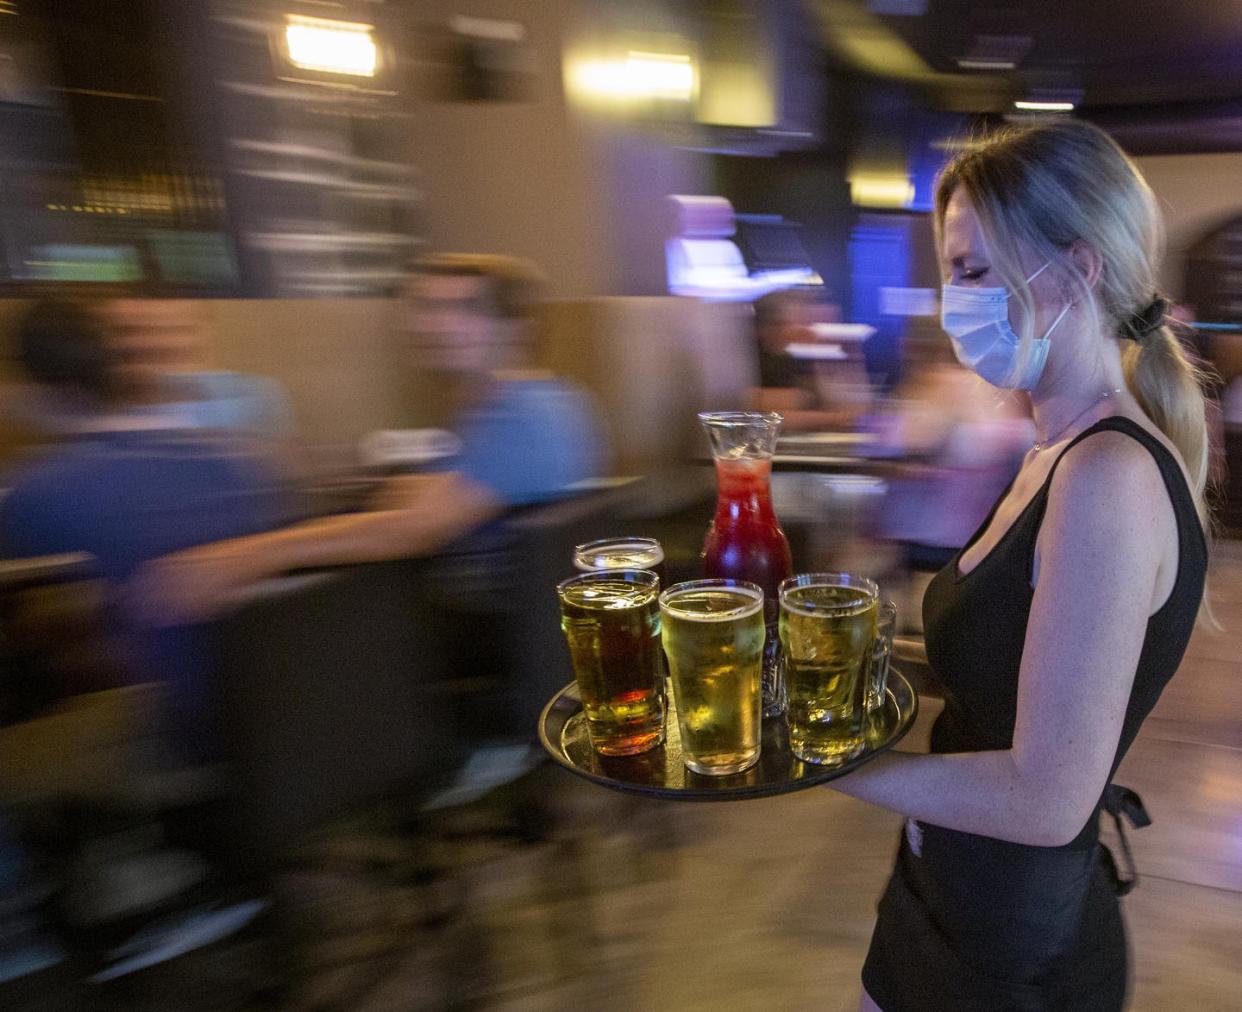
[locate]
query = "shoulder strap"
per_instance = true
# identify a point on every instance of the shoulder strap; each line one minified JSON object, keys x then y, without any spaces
{"x":1170,"y":470}
{"x":1182,"y":500}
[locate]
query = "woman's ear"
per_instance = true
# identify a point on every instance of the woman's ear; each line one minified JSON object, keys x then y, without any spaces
{"x":1088,"y":261}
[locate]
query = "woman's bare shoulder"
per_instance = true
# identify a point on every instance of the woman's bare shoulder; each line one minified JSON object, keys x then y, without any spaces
{"x":1110,"y":480}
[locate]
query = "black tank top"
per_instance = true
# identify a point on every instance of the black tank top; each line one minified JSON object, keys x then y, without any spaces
{"x":975,"y":625}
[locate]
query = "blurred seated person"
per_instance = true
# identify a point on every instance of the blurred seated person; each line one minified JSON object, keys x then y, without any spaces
{"x":812,"y":394}
{"x":126,"y":490}
{"x":526,"y":435}
{"x":526,"y":438}
{"x":140,"y":861}
{"x":160,"y":379}
{"x":961,"y":443}
{"x":161,"y":369}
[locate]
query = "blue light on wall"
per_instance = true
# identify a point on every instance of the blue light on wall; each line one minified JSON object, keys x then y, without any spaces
{"x":879,"y":255}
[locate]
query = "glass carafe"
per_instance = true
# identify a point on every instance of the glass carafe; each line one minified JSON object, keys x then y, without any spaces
{"x":745,"y":540}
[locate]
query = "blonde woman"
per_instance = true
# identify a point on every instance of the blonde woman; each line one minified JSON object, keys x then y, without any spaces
{"x":1056,"y":627}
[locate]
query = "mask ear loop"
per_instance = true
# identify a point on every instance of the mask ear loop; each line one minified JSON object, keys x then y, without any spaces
{"x":1060,"y":317}
{"x":1047,"y":264}
{"x":1055,"y":323}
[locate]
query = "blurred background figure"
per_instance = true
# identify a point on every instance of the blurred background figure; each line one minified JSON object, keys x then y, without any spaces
{"x":160,"y":360}
{"x":127,"y":487}
{"x":958,"y":444}
{"x":123,"y":488}
{"x":526,"y":437}
{"x":812,"y":391}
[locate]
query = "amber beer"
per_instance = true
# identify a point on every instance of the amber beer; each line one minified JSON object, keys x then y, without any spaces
{"x":827,"y":629}
{"x":627,"y":553}
{"x":713,"y":638}
{"x":611,"y":621}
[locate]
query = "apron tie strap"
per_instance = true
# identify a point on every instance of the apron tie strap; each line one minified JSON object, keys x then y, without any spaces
{"x":1118,"y":801}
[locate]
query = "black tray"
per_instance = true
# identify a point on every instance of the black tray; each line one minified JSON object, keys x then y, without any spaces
{"x":661,"y":773}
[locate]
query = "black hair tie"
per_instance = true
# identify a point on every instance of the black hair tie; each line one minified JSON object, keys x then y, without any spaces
{"x":1150,"y":318}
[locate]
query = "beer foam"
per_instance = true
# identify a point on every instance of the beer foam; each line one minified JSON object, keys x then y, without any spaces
{"x":610,"y":596}
{"x":840,"y":601}
{"x":750,"y":603}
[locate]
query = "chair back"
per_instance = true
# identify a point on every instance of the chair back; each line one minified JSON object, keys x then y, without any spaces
{"x":323,"y":700}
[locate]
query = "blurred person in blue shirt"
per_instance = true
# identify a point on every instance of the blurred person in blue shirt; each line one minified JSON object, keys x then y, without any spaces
{"x":525,"y":434}
{"x":160,"y":370}
{"x":159,"y":378}
{"x":527,"y":437}
{"x":125,"y":487}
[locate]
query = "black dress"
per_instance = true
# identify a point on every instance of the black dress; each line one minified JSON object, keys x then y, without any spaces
{"x":974,"y":923}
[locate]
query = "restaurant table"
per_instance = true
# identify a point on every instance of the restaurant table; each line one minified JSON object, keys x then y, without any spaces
{"x":829,"y":452}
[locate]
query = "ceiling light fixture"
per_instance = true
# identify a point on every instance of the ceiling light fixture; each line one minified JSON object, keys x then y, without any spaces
{"x":973,"y":64}
{"x":641,"y":76}
{"x":1032,"y":106}
{"x":333,"y":47}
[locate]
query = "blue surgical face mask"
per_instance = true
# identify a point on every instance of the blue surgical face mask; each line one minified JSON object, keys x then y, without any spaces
{"x":977,"y":321}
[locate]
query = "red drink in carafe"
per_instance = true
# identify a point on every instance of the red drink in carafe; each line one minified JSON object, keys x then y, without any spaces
{"x":745,"y":540}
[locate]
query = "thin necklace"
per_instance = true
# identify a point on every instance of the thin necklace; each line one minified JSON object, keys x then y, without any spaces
{"x":1043,"y":444}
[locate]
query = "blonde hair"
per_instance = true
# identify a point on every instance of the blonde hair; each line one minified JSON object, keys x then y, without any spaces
{"x":1051,"y":185}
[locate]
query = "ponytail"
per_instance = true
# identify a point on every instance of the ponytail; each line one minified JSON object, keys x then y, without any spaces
{"x":1168,"y":385}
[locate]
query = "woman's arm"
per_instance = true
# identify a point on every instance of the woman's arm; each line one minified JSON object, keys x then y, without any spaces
{"x":1100,"y":551}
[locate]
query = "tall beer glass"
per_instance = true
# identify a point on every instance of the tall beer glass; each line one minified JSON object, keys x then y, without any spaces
{"x":827,"y":629}
{"x":612,"y":624}
{"x":881,"y":656}
{"x":713,"y":637}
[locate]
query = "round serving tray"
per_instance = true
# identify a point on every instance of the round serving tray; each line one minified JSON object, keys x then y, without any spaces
{"x":661,"y":773}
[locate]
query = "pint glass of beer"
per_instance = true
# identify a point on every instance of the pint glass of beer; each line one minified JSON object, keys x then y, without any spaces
{"x":626,"y":553}
{"x":612,"y":623}
{"x":881,"y":656}
{"x":828,"y":632}
{"x":713,"y":637}
{"x":621,"y":553}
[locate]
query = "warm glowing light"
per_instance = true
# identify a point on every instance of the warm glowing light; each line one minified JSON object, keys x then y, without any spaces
{"x":970,"y":63}
{"x":334,"y":47}
{"x":875,"y":190}
{"x":640,"y":76}
{"x":488,"y":28}
{"x":1030,"y":106}
{"x":661,"y":76}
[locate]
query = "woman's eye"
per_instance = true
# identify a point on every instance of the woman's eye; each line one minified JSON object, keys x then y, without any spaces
{"x":969,"y":274}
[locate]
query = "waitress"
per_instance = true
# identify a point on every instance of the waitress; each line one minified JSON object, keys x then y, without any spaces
{"x":1057,"y":626}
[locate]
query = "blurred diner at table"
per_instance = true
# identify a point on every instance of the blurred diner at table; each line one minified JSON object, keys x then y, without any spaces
{"x":526,"y":437}
{"x":815,"y":386}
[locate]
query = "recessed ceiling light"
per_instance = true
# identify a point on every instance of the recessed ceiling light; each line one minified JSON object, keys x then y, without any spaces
{"x":972,"y":64}
{"x":1031,"y":106}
